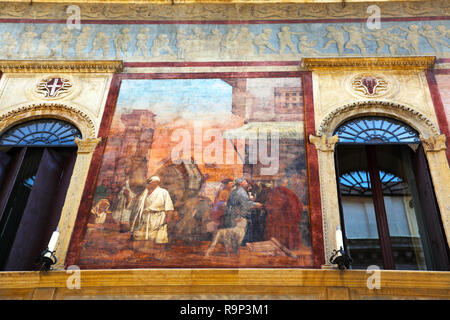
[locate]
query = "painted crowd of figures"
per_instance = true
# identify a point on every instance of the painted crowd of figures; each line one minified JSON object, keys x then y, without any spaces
{"x":236,"y":43}
{"x":240,"y":213}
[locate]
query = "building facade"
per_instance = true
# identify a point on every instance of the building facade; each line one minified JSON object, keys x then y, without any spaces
{"x":186,"y":150}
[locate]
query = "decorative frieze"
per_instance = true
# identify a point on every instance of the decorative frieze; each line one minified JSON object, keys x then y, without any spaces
{"x":158,"y":10}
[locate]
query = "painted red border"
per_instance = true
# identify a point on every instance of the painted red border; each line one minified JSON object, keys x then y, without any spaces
{"x":211,"y":75}
{"x":224,"y":22}
{"x":91,"y":180}
{"x":311,"y":153}
{"x":315,"y":202}
{"x":211,"y":64}
{"x":439,"y":105}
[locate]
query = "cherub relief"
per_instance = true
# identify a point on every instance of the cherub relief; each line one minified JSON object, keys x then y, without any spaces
{"x":229,"y":44}
{"x":161,"y":43}
{"x":101,"y":42}
{"x":412,"y":37}
{"x":47,"y":37}
{"x":9,"y":44}
{"x":82,"y":42}
{"x":262,"y":41}
{"x":141,"y":44}
{"x":337,"y":37}
{"x":244,"y":40}
{"x":213,"y":41}
{"x":306,"y":47}
{"x":356,"y":39}
{"x":64,"y":41}
{"x":433,"y":37}
{"x":27,"y":42}
{"x":121,"y":43}
{"x":285,"y":39}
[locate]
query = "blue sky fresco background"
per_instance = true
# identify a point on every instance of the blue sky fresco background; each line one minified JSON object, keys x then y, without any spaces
{"x":188,"y":98}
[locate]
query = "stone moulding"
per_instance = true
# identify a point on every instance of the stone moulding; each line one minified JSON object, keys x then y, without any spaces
{"x":45,"y":66}
{"x":159,"y":10}
{"x":389,"y":63}
{"x":52,"y":110}
{"x":340,"y":114}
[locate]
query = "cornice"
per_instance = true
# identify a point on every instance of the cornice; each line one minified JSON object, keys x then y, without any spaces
{"x":217,"y":10}
{"x":70,"y":66}
{"x":208,"y":1}
{"x":389,"y":63}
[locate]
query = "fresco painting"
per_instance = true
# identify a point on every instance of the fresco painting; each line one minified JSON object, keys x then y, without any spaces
{"x":202,"y":173}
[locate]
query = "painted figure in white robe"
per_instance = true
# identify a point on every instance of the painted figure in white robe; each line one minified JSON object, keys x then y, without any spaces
{"x":148,"y":219}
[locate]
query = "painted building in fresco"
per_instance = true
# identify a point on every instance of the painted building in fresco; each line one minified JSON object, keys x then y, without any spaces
{"x":238,"y":136}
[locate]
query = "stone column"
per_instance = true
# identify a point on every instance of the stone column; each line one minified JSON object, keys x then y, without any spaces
{"x":69,"y":212}
{"x":328,"y":192}
{"x":434,"y":148}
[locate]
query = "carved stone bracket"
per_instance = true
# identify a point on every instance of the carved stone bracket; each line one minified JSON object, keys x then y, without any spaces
{"x":324,"y":143}
{"x":434,"y":144}
{"x":87,"y":145}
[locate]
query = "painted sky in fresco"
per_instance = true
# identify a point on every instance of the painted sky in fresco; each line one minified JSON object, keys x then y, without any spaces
{"x":188,"y":98}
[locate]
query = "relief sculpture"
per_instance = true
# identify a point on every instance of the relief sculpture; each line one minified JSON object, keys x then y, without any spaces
{"x":203,"y":42}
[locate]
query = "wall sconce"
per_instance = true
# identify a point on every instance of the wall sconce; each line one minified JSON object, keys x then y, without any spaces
{"x":47,"y":258}
{"x":340,"y":256}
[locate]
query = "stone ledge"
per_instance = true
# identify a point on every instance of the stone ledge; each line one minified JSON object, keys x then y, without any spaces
{"x":225,"y":284}
{"x":387,"y":63}
{"x":81,"y":66}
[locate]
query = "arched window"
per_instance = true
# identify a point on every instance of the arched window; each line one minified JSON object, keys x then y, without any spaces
{"x":42,"y":132}
{"x":36,"y":163}
{"x":389,"y":216}
{"x":375,"y":130}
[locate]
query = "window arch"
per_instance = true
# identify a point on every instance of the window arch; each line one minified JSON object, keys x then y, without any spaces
{"x":374,"y":130}
{"x":41,"y":132}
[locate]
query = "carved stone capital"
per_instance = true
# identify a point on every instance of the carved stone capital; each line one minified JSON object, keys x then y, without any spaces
{"x":434,"y":143}
{"x":324,"y":143}
{"x":87,"y":145}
